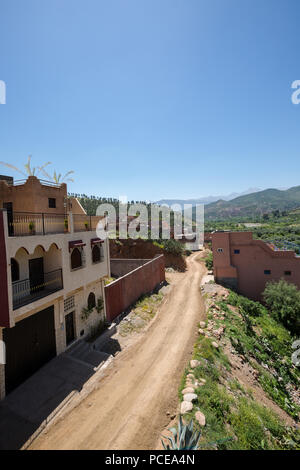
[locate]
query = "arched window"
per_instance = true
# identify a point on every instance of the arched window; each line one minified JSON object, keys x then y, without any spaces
{"x":76,"y":260}
{"x":15,"y":271}
{"x":96,"y":254}
{"x":91,"y":301}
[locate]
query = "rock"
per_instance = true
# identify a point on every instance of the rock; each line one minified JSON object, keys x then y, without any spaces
{"x":202,"y":324}
{"x":203,"y":381}
{"x":215,"y":344}
{"x":200,"y":417}
{"x":194,"y":363}
{"x":188,"y":390}
{"x":186,"y":406}
{"x":190,"y":397}
{"x":201,"y":332}
{"x":190,"y":376}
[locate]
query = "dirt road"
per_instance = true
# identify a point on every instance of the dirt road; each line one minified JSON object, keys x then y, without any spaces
{"x":128,"y":410}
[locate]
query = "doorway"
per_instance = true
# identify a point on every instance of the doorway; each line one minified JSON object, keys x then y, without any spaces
{"x":70,"y":328}
{"x":10,"y":218}
{"x":36,"y":275}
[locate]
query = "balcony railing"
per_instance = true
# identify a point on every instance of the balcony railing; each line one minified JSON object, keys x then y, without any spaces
{"x":84,"y":222}
{"x":24,"y":292}
{"x":33,"y":223}
{"x":30,"y":223}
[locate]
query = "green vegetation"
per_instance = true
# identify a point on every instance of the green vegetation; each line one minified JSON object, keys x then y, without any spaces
{"x":184,"y":437}
{"x":283,"y":300}
{"x":266,"y":345}
{"x":209,"y":260}
{"x":234,"y":418}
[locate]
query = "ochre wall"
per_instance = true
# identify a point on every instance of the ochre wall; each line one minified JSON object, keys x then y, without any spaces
{"x":32,"y":196}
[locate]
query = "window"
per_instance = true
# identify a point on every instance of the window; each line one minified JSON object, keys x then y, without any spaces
{"x":52,"y":202}
{"x":267,"y":271}
{"x":96,"y":254}
{"x":69,"y":303}
{"x":287,"y":273}
{"x":15,"y":271}
{"x":76,"y":260}
{"x":236,"y":252}
{"x":220,"y":250}
{"x":91,"y":301}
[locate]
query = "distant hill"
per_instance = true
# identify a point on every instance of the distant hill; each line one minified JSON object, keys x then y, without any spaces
{"x":254,"y":204}
{"x":205,"y":200}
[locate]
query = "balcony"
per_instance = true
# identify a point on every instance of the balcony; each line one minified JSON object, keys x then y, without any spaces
{"x":31,"y":223}
{"x":26,"y":291}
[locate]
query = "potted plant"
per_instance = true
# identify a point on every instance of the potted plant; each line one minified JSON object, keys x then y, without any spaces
{"x":86,"y":224}
{"x":66,"y":225}
{"x":31,"y":227}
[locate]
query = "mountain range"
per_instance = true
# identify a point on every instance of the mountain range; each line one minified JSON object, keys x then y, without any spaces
{"x":206,"y":199}
{"x":257,"y":203}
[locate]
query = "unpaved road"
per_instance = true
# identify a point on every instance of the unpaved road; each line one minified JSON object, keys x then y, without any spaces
{"x":128,"y":410}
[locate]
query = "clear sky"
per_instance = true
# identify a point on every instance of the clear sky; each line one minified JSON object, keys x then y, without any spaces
{"x":153,"y":98}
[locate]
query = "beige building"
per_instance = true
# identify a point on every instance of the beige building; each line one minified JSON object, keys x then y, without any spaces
{"x":52,"y":269}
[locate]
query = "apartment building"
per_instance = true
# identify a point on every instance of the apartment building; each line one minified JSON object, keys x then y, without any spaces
{"x":245,"y":264}
{"x":52,"y":267}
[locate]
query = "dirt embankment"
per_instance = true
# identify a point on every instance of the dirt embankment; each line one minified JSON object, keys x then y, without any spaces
{"x":145,"y":249}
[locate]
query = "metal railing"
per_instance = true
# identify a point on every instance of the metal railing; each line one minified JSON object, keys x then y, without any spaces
{"x":84,"y":222}
{"x":30,"y":223}
{"x":24,"y":292}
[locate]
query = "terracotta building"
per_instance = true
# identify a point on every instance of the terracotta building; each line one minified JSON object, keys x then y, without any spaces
{"x":52,"y":269}
{"x":247,"y":265}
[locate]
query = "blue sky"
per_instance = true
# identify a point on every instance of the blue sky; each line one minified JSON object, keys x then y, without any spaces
{"x":153,"y":99}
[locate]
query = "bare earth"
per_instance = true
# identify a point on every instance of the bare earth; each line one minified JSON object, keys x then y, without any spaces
{"x":129,"y":409}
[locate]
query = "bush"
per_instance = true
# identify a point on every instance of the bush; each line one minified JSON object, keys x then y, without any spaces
{"x":173,"y":246}
{"x":283,"y":300}
{"x":209,"y":261}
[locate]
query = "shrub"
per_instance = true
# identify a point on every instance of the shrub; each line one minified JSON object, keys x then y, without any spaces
{"x":283,"y":300}
{"x":209,"y":261}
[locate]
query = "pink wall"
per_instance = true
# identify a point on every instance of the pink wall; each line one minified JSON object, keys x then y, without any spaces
{"x":123,"y":292}
{"x":247,"y":267}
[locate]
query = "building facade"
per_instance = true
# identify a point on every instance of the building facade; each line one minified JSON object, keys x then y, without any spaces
{"x":246,"y":265}
{"x":52,"y":276}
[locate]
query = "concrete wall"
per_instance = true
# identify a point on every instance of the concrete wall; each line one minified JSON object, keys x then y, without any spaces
{"x":245,"y":270}
{"x":123,"y":292}
{"x":119,"y":267}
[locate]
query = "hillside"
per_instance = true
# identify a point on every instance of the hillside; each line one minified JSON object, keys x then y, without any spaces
{"x":255,"y":204}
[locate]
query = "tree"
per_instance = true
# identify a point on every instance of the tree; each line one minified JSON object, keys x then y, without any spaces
{"x":283,"y":300}
{"x":57,"y":177}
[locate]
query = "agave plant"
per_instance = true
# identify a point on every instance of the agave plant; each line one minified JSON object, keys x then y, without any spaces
{"x":184,"y":438}
{"x":29,"y":170}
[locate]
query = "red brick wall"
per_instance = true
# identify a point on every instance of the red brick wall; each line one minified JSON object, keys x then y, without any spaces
{"x":123,"y":292}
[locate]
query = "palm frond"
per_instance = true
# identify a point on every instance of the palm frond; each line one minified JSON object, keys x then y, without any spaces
{"x":12,"y":167}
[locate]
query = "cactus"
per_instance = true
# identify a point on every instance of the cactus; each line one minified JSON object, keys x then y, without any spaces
{"x":184,"y":438}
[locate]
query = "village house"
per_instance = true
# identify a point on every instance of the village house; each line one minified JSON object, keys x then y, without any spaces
{"x":52,"y":269}
{"x":246,"y":265}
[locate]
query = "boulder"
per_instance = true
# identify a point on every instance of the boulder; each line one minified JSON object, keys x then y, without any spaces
{"x":188,"y":390}
{"x":185,"y":407}
{"x":202,"y":324}
{"x":215,"y":344}
{"x":200,"y":417}
{"x":190,"y":397}
{"x":201,"y":332}
{"x":194,"y":363}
